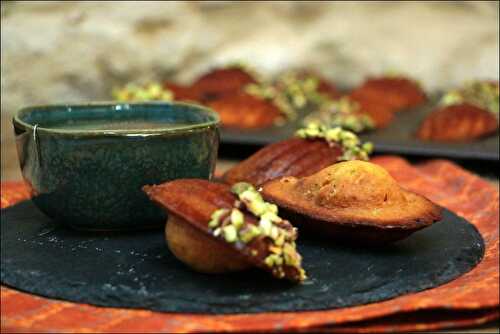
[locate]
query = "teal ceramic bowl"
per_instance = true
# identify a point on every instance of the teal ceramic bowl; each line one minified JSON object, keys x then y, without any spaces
{"x":86,"y":164}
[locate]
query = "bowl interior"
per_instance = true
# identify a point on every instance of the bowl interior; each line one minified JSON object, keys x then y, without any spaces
{"x":122,"y":117}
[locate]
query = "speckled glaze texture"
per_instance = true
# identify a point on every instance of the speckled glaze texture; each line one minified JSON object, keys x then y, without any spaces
{"x":92,"y":180}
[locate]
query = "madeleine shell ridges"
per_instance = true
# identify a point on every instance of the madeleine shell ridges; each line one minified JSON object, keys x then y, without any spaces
{"x":290,"y":157}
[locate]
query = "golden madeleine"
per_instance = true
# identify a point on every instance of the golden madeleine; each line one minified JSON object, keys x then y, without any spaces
{"x":352,"y":200}
{"x":214,"y":228}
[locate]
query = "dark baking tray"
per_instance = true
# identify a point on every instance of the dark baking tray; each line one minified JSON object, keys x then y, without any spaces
{"x":397,"y":138}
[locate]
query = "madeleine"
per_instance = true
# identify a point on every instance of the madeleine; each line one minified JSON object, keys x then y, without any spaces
{"x":213,"y":228}
{"x":352,"y":200}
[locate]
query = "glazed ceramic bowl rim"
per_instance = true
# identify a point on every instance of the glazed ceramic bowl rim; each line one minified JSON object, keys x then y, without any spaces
{"x":120,"y":132}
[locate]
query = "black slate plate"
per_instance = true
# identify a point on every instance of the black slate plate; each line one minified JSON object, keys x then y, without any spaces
{"x":397,"y":138}
{"x":136,"y":269}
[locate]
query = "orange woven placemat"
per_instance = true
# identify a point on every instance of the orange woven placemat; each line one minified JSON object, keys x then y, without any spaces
{"x":475,"y":294}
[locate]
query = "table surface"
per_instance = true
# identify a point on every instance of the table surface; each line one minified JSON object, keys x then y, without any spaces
{"x":488,"y":171}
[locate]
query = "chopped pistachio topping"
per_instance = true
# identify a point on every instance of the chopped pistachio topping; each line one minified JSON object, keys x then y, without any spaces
{"x":151,"y":91}
{"x":248,"y":233}
{"x":229,"y":224}
{"x":352,"y":147}
{"x":237,"y":218}
{"x":290,"y":92}
{"x":479,"y":93}
{"x":217,"y":216}
{"x":342,"y":112}
{"x":240,"y":187}
{"x":230,"y":233}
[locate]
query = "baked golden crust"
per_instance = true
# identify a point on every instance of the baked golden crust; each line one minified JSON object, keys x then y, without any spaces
{"x":380,"y":113}
{"x":291,"y":157}
{"x":193,"y":201}
{"x":222,"y":81}
{"x":244,"y":111}
{"x":199,"y":251}
{"x":182,"y":93}
{"x":461,"y":122}
{"x":348,"y":196}
{"x":328,"y":88}
{"x":396,"y":92}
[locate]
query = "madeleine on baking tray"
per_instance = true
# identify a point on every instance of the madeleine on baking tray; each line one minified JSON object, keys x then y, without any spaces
{"x":225,"y":80}
{"x":465,"y":114}
{"x":353,"y":200}
{"x":244,"y":111}
{"x":395,"y":91}
{"x":461,"y":122}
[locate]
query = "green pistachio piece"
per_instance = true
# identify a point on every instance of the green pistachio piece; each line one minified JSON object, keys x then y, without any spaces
{"x":154,"y":89}
{"x":142,"y":95}
{"x":271,"y":216}
{"x":215,"y":219}
{"x":363,"y":155}
{"x":249,"y":233}
{"x":217,"y":214}
{"x":302,"y":274}
{"x":265,"y":226}
{"x":274,"y":232}
{"x":167,"y":96}
{"x":278,"y":260}
{"x":367,"y":147}
{"x":290,"y":255}
{"x":333,"y":134}
{"x":280,"y":240}
{"x":273,"y":260}
{"x":213,"y":223}
{"x":311,"y":84}
{"x":350,"y":144}
{"x":348,"y":135}
{"x":312,"y":132}
{"x":301,"y":133}
{"x":240,"y":187}
{"x":273,"y":208}
{"x":250,"y":195}
{"x":257,"y":208}
{"x":452,"y":97}
{"x":230,"y":233}
{"x":237,"y":218}
{"x":269,"y":261}
{"x":299,"y":101}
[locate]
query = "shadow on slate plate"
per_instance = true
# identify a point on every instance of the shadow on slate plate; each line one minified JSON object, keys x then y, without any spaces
{"x":136,"y":270}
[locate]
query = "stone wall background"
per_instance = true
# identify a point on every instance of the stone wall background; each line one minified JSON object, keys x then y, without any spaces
{"x":77,"y":51}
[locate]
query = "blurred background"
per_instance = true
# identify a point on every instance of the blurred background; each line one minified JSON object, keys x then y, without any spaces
{"x":54,"y":52}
